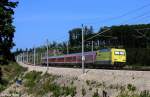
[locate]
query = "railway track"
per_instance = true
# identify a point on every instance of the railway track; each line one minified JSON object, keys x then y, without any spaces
{"x":129,"y":68}
{"x":126,"y":68}
{"x":138,"y":68}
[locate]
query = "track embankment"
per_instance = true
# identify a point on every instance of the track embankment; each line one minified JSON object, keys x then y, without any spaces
{"x":141,"y":79}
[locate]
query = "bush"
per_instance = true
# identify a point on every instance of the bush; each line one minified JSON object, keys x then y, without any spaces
{"x":138,"y":56}
{"x":39,"y":85}
{"x":8,"y":74}
{"x":31,"y":78}
{"x":0,"y":74}
{"x":2,"y":87}
{"x":83,"y":91}
{"x":69,"y":91}
{"x":88,"y":82}
{"x":127,"y":93}
{"x":96,"y":94}
{"x":145,"y":93}
{"x":131,"y":87}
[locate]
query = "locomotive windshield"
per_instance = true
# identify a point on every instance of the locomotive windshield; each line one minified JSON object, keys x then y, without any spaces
{"x":119,"y":53}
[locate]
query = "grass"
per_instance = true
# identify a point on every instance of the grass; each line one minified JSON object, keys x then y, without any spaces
{"x":145,"y":93}
{"x":88,"y":82}
{"x":131,"y":87}
{"x":83,"y":91}
{"x":116,"y":86}
{"x":39,"y":85}
{"x":69,"y":91}
{"x":90,"y":88}
{"x":96,"y":94}
{"x":130,"y":91}
{"x":31,"y":79}
{"x":126,"y":93}
{"x":93,"y":83}
{"x":10,"y":73}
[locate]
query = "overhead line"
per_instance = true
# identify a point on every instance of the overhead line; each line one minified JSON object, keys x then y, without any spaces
{"x":139,"y":16}
{"x":143,"y":17}
{"x":121,"y":17}
{"x":97,"y":34}
{"x":130,"y":12}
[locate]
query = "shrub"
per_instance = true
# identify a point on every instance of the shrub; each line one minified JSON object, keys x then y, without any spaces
{"x":0,"y":75}
{"x":88,"y":82}
{"x":83,"y":91}
{"x":8,"y":74}
{"x":126,"y":93}
{"x":90,"y":88}
{"x":31,"y":79}
{"x":39,"y":85}
{"x":145,"y":93}
{"x":72,"y":82}
{"x":131,"y":87}
{"x":138,"y":56}
{"x":2,"y":87}
{"x":69,"y":91}
{"x":96,"y":94}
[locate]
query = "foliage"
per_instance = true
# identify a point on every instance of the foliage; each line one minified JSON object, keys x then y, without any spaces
{"x":83,"y":91}
{"x":0,"y":74}
{"x":69,"y":91}
{"x":6,"y":29}
{"x":126,"y":93}
{"x":39,"y":85}
{"x":138,"y":56}
{"x":131,"y":87}
{"x":96,"y":94}
{"x":9,"y":74}
{"x":31,"y":79}
{"x":75,"y":35}
{"x":88,"y":82}
{"x":145,"y":93}
{"x":130,"y":91}
{"x":129,"y":36}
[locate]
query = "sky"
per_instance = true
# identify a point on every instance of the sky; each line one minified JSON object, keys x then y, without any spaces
{"x":38,"y":20}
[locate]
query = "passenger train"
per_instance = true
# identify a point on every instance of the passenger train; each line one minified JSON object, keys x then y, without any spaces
{"x":102,"y":57}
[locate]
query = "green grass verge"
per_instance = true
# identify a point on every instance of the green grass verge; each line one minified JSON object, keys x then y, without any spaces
{"x":9,"y":73}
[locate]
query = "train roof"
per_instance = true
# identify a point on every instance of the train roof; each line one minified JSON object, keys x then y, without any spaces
{"x":68,"y":55}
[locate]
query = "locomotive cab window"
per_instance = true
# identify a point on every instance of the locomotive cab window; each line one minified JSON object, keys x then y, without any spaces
{"x":119,"y":53}
{"x":116,"y":53}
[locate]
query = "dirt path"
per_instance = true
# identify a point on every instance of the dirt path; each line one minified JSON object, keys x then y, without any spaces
{"x":141,"y":79}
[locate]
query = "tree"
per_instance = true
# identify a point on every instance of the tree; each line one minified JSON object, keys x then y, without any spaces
{"x":75,"y":35}
{"x":6,"y":29}
{"x":0,"y":75}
